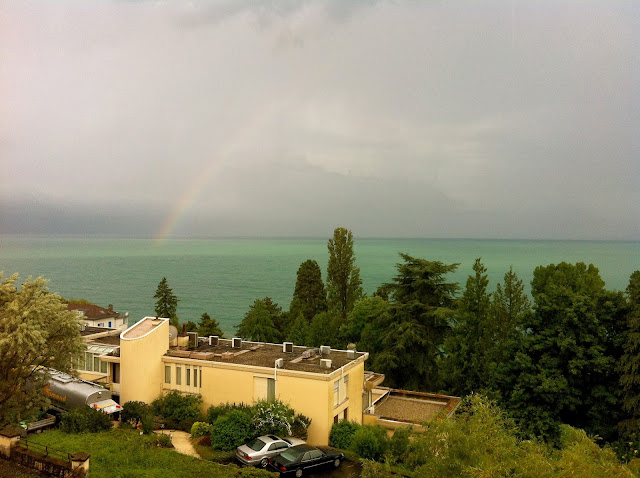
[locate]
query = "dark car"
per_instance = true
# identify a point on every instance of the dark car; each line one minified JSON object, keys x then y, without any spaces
{"x":302,"y":459}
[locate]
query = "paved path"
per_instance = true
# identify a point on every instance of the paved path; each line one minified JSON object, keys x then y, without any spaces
{"x":181,"y":441}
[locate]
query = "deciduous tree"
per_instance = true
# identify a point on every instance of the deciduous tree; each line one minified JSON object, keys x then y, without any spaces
{"x":344,"y":286}
{"x":36,"y":330}
{"x":629,"y":365}
{"x":563,"y":366}
{"x":257,"y":324}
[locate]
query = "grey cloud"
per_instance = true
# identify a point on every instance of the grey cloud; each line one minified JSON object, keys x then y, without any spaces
{"x":402,"y":118}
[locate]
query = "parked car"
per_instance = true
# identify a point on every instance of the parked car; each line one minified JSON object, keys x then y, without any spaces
{"x":302,"y":459}
{"x":258,"y":450}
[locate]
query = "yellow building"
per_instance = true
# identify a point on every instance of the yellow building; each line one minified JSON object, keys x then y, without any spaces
{"x":324,"y":384}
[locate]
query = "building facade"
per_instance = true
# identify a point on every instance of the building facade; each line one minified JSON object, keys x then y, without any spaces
{"x":326,"y":385}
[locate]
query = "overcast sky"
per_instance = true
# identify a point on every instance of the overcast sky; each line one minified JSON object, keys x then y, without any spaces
{"x":492,"y":119}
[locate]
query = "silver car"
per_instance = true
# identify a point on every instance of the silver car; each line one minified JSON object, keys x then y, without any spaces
{"x":257,"y":451}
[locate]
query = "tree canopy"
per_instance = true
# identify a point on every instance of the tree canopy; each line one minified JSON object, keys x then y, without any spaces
{"x":36,"y":330}
{"x":413,"y":330}
{"x":258,"y":323}
{"x":167,"y":302}
{"x":344,"y":286}
{"x":561,"y":368}
{"x":209,"y":326}
{"x":309,"y":296}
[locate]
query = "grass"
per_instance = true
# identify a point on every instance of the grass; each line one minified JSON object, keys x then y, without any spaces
{"x":209,"y":454}
{"x":124,"y":453}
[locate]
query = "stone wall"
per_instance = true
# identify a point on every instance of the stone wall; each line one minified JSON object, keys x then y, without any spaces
{"x":51,"y":463}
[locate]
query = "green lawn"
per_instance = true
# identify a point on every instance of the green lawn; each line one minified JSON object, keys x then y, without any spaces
{"x":124,"y":453}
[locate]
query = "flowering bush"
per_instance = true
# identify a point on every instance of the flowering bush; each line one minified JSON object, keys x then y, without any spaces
{"x":272,"y":417}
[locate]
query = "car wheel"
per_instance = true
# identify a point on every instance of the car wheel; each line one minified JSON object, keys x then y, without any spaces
{"x":298,"y":472}
{"x":336,"y":463}
{"x":263,"y":462}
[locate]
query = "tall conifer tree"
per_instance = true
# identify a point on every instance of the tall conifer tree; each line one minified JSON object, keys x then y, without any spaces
{"x":416,"y":323}
{"x":309,"y":296}
{"x":167,"y":303}
{"x":344,"y":286}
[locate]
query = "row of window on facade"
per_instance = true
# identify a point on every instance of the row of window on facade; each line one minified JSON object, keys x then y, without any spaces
{"x":188,"y":374}
{"x":91,"y":363}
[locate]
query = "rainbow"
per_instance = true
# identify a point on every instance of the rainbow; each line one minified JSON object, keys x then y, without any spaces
{"x":239,"y":136}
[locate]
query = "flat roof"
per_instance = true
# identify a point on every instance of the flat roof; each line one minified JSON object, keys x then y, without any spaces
{"x":107,"y":340}
{"x":413,"y":407}
{"x":305,"y":359}
{"x":89,"y":330}
{"x":142,"y":327}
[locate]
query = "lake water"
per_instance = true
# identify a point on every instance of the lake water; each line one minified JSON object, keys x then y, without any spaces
{"x":224,"y":276}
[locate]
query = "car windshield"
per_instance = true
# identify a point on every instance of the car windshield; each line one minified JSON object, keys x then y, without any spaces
{"x":256,"y":444}
{"x":291,"y":454}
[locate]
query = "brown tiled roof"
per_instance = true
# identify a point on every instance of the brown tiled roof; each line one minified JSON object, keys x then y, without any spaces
{"x":91,"y":311}
{"x":265,"y":355}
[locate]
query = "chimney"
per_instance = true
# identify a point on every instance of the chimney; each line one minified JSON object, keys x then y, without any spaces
{"x":110,"y":307}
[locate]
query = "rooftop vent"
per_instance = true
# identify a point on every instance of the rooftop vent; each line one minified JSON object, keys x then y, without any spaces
{"x":287,"y":347}
{"x":280,"y":363}
{"x":236,"y":343}
{"x":213,"y":340}
{"x":325,"y":350}
{"x":325,"y":363}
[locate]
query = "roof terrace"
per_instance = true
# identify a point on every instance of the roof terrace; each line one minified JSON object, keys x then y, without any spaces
{"x":304,"y":359}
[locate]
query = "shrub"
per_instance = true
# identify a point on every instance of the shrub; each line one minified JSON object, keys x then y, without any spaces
{"x":272,"y":417}
{"x":370,"y":442}
{"x":399,"y":444}
{"x":177,"y":410}
{"x":231,"y":430}
{"x":163,"y":440}
{"x":85,"y":419}
{"x":342,"y":434}
{"x":136,"y":413}
{"x":200,"y":429}
{"x":300,"y":427}
{"x":215,"y":411}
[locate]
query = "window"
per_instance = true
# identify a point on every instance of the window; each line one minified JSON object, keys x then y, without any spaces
{"x":200,"y":378}
{"x":271,"y":389}
{"x":109,"y":324}
{"x":188,"y":377}
{"x":264,"y":388}
{"x":96,"y":364}
{"x":346,"y":387}
{"x":336,"y":393}
{"x":167,"y":374}
{"x":195,"y":377}
{"x":178,"y":375}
